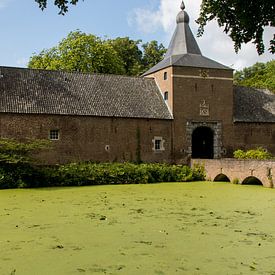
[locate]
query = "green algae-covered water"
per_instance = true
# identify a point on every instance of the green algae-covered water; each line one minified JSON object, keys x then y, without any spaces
{"x":175,"y":228}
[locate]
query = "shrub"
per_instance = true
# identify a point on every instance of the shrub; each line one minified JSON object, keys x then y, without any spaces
{"x":81,"y":174}
{"x":258,"y":153}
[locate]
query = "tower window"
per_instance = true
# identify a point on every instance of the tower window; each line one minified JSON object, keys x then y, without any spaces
{"x":165,"y":76}
{"x":166,"y":96}
{"x":54,"y":135}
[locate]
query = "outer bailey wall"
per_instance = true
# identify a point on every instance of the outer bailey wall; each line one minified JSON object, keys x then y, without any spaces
{"x":84,"y":138}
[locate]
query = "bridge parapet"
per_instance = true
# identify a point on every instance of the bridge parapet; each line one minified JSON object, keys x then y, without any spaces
{"x":239,"y":170}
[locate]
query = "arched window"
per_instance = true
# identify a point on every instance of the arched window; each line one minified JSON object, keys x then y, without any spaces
{"x":166,"y":96}
{"x":165,"y":76}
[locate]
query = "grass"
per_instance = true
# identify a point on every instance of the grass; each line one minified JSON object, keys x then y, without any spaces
{"x":168,"y":228}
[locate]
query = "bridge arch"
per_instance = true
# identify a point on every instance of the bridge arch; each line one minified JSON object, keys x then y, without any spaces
{"x":222,"y":177}
{"x":251,"y":180}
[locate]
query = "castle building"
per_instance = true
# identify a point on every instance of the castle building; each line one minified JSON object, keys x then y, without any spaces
{"x":185,"y":106}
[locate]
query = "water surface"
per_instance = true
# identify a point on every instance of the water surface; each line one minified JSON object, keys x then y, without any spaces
{"x":175,"y":228}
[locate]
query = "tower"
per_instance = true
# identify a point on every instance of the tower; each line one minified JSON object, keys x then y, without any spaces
{"x":199,"y":94}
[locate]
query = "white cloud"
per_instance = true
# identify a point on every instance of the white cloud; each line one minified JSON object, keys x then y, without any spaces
{"x":214,"y":44}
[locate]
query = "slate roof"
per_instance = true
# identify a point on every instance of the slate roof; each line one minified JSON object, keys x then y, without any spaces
{"x":29,"y":91}
{"x":253,"y":105}
{"x":183,"y":49}
{"x":187,"y":60}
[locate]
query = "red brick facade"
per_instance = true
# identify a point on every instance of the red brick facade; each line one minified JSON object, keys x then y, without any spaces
{"x":92,"y":138}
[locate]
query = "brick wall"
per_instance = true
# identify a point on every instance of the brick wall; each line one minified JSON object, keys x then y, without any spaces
{"x":204,"y":96}
{"x":85,"y":138}
{"x":240,"y":170}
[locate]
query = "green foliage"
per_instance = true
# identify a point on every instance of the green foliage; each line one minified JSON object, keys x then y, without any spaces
{"x":153,"y":53}
{"x":61,"y":4}
{"x":126,"y":173}
{"x":236,"y":181}
{"x":14,"y":152}
{"x":244,"y":21}
{"x":81,"y":174}
{"x":259,"y":153}
{"x":260,"y":75}
{"x":129,"y":53}
{"x":80,"y":52}
{"x":17,"y":159}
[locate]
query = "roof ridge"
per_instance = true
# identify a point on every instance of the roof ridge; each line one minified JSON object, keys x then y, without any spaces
{"x":75,"y":72}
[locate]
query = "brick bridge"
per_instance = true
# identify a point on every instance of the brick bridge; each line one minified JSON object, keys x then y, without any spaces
{"x":239,"y":171}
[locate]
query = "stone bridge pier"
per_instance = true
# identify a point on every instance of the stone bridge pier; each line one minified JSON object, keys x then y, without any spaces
{"x":239,"y":171}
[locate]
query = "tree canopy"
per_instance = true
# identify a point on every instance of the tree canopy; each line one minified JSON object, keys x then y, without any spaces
{"x":260,"y":75}
{"x":243,"y":21}
{"x":88,"y":53}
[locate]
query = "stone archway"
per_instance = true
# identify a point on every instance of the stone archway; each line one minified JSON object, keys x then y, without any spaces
{"x":222,"y":178}
{"x":203,"y":143}
{"x":215,"y":127}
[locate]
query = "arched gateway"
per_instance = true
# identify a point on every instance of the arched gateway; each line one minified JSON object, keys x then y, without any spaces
{"x":203,"y":143}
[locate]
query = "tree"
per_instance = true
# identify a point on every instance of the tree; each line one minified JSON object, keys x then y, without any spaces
{"x":16,"y":152}
{"x":260,"y":75}
{"x":87,"y":53}
{"x":244,"y":21}
{"x":63,"y":5}
{"x":153,"y":53}
{"x":129,"y":52}
{"x":79,"y":52}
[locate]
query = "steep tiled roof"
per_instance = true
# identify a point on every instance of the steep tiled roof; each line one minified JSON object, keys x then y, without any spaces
{"x":31,"y":91}
{"x":253,"y":105}
{"x":183,"y":50}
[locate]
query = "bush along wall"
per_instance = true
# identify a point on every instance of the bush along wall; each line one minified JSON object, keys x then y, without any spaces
{"x":81,"y":174}
{"x":258,"y":153}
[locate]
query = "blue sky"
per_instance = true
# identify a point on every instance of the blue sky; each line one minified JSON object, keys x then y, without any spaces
{"x":25,"y":29}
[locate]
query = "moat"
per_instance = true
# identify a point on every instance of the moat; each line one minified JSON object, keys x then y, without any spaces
{"x":175,"y":228}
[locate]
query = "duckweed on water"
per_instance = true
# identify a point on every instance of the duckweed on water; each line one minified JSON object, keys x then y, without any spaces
{"x":175,"y":228}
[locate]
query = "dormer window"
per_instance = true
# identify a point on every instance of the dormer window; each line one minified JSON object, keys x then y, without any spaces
{"x":166,"y":96}
{"x":165,"y":76}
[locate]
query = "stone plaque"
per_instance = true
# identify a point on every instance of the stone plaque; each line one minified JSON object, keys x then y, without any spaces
{"x":204,"y":109}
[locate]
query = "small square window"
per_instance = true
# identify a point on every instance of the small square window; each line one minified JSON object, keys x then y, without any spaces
{"x":54,"y":134}
{"x":158,"y":144}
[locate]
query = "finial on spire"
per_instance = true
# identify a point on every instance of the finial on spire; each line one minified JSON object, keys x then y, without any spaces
{"x":182,"y":15}
{"x":182,"y":6}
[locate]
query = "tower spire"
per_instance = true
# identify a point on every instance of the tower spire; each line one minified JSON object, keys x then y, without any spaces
{"x":183,"y":49}
{"x":183,"y":41}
